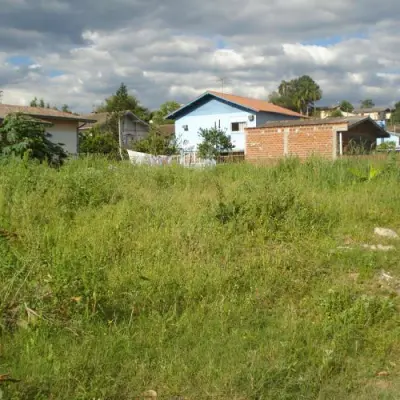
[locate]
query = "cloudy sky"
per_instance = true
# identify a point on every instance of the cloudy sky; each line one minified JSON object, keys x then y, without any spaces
{"x":79,"y":51}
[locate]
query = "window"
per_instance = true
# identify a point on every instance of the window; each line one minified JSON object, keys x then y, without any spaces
{"x":238,"y":126}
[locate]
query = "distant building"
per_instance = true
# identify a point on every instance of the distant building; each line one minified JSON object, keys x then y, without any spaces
{"x":132,"y":127}
{"x":375,"y":113}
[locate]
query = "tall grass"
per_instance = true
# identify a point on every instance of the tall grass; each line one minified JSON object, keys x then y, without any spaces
{"x":223,"y":283}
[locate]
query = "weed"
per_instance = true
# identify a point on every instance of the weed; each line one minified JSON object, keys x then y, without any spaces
{"x":219,"y":283}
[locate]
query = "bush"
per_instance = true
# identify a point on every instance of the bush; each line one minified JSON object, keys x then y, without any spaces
{"x":24,"y":136}
{"x":97,"y":142}
{"x":215,"y":142}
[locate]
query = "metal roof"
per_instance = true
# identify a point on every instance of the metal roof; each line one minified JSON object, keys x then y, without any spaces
{"x":350,"y":121}
{"x":317,"y":121}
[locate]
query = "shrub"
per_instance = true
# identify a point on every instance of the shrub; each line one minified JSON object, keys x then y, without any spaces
{"x":21,"y":136}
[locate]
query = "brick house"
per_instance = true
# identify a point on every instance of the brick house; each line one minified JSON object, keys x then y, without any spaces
{"x":328,"y":138}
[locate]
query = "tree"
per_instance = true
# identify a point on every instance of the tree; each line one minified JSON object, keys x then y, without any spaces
{"x":395,"y":118}
{"x":159,"y":116}
{"x":336,"y":113}
{"x":34,"y":102}
{"x":299,"y":94}
{"x":367,"y":103}
{"x":282,"y":101}
{"x":215,"y":141}
{"x":157,"y":144}
{"x":20,"y":134}
{"x":118,"y":103}
{"x":41,"y":103}
{"x":123,"y":101}
{"x":65,"y":108}
{"x":346,"y":106}
{"x":98,"y":142}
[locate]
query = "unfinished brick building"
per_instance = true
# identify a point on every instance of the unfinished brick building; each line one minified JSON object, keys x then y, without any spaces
{"x":328,"y":138}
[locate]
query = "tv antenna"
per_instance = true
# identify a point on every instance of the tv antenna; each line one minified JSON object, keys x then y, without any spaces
{"x":223,"y":80}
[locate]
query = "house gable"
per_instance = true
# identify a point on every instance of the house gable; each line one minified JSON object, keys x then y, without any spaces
{"x":209,"y":105}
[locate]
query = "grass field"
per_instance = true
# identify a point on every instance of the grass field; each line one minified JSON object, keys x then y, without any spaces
{"x":224,"y":283}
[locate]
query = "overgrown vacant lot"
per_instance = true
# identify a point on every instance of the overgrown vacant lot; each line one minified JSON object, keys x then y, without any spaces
{"x":216,"y":284}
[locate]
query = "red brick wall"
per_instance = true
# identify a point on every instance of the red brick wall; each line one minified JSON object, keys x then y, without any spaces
{"x":263,"y":144}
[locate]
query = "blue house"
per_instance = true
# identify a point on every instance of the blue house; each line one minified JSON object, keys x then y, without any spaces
{"x":227,"y":112}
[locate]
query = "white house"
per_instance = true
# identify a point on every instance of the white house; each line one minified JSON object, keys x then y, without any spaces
{"x":63,"y":127}
{"x":227,"y":112}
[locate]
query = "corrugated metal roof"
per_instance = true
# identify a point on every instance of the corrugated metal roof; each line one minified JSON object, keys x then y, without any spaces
{"x":320,"y":121}
{"x":349,"y":121}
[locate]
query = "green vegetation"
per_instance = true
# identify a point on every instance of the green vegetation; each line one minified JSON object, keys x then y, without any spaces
{"x":299,"y":94}
{"x":367,"y":103}
{"x":157,"y":143}
{"x":337,"y":113}
{"x":23,"y":136}
{"x":346,"y":106}
{"x":224,"y":283}
{"x":387,"y":146}
{"x":98,"y":141}
{"x":215,"y":141}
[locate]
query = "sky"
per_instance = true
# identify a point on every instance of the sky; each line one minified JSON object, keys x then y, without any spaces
{"x":79,"y":51}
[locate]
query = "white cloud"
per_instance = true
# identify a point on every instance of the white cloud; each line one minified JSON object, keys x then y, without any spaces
{"x":171,"y":51}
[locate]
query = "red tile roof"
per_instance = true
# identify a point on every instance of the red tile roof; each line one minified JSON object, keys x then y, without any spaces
{"x":257,"y":105}
{"x":6,"y":109}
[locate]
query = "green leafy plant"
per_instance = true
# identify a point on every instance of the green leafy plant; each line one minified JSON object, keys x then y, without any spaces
{"x":387,"y":146}
{"x":98,"y":142}
{"x":368,"y":175}
{"x":156,"y":143}
{"x":215,"y":141}
{"x":21,"y":136}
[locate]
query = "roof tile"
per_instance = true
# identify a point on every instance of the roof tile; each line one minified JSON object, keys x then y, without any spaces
{"x":6,"y":109}
{"x":258,"y":105}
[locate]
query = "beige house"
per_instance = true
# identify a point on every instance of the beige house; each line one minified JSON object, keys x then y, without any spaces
{"x":131,"y":127}
{"x":326,"y":112}
{"x":376,"y":113}
{"x":62,"y":127}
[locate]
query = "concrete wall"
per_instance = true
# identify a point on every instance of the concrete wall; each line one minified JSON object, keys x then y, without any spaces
{"x":219,"y":114}
{"x":263,"y":144}
{"x":65,"y":132}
